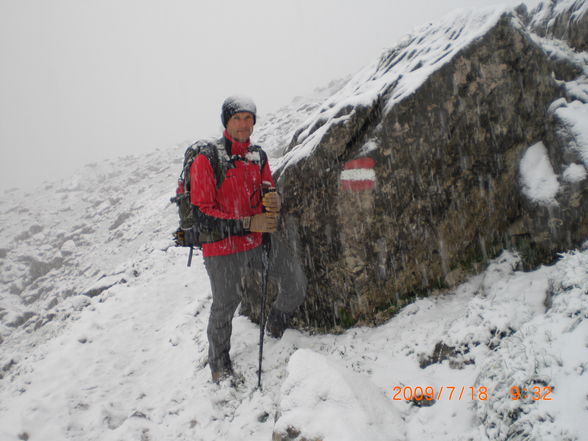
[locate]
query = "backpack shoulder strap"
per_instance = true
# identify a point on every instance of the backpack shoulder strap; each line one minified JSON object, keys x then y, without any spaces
{"x":219,"y":167}
{"x":255,"y":149}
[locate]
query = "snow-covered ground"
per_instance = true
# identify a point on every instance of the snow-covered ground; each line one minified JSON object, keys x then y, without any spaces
{"x":103,"y":327}
{"x":130,"y":364}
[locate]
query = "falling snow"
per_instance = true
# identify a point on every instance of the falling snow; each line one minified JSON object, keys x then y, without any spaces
{"x":103,"y":327}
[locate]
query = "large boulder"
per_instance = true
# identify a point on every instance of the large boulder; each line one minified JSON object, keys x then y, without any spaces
{"x":409,"y":178}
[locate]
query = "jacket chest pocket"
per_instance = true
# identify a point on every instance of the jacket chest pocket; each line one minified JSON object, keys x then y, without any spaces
{"x":253,"y":176}
{"x":242,"y":184}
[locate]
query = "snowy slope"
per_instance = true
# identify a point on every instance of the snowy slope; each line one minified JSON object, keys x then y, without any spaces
{"x":129,"y":364}
{"x":76,"y":236}
{"x":103,"y":328}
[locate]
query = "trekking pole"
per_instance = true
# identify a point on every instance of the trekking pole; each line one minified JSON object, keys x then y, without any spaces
{"x":190,"y":256}
{"x":265,"y":256}
{"x":265,"y":270}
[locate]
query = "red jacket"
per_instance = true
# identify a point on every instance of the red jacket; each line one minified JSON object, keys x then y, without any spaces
{"x":239,"y":196}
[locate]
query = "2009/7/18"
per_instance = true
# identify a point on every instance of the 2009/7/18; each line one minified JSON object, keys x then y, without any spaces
{"x":429,"y":393}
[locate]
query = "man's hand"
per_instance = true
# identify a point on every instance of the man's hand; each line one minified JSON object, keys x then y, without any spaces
{"x":264,"y":223}
{"x":272,"y":202}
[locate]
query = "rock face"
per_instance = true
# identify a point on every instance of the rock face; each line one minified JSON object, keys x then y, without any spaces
{"x":409,"y":178}
{"x":564,"y":20}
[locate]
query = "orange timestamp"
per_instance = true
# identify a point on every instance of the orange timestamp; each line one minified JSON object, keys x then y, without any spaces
{"x":536,"y":393}
{"x":430,"y":393}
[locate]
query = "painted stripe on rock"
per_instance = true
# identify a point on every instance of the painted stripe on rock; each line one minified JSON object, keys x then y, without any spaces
{"x":360,"y":163}
{"x":358,"y":175}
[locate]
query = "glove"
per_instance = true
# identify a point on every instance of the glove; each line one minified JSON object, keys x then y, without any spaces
{"x":264,"y":223}
{"x":272,"y":202}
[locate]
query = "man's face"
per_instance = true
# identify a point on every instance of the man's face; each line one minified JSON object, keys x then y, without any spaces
{"x":240,"y":126}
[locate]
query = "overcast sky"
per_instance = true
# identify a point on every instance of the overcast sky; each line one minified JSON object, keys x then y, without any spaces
{"x":84,"y":80}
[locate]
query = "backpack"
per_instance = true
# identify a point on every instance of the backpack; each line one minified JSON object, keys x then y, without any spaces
{"x":190,"y":232}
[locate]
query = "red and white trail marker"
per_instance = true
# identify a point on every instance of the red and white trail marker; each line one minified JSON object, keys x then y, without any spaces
{"x":358,"y":175}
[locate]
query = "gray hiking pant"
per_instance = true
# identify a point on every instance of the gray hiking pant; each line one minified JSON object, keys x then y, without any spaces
{"x":227,"y":275}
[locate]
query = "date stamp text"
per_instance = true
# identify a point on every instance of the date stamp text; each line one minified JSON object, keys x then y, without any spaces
{"x":481,"y":393}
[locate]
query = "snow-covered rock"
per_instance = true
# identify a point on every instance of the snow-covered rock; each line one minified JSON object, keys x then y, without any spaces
{"x":323,"y":400}
{"x":564,"y":19}
{"x":424,"y":165}
{"x":68,"y":248}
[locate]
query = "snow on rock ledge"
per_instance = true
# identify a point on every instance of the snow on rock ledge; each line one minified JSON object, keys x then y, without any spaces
{"x":574,"y":119}
{"x":538,"y":179}
{"x":323,"y":401}
{"x":564,"y":19}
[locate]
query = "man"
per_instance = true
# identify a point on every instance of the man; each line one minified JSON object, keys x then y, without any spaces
{"x":242,"y":212}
